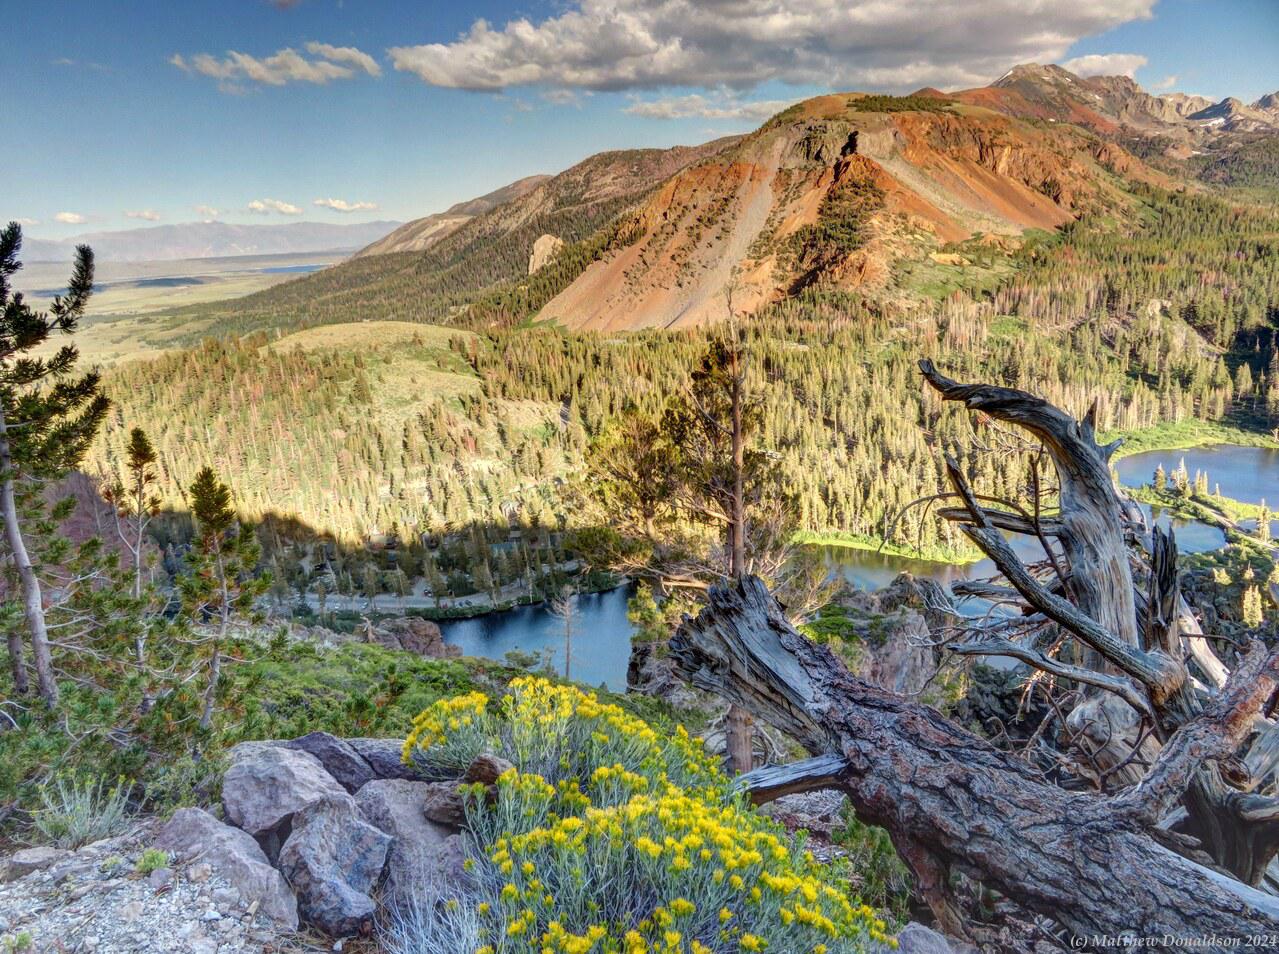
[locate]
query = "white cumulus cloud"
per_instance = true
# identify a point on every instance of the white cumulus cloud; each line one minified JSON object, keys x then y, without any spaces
{"x":326,"y":63}
{"x":707,"y":44}
{"x":1106,"y":64}
{"x":706,"y":107}
{"x":70,"y":218}
{"x":267,"y":206}
{"x":150,"y":215}
{"x":1168,"y":82}
{"x":341,"y":205}
{"x":349,"y":55}
{"x":27,"y":221}
{"x":208,"y":211}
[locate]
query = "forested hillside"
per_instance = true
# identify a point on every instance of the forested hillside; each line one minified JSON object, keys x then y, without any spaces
{"x":370,"y":428}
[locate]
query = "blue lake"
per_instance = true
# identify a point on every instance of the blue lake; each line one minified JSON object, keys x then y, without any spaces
{"x":1245,"y":473}
{"x":290,"y":269}
{"x":602,"y":633}
{"x":601,"y":644}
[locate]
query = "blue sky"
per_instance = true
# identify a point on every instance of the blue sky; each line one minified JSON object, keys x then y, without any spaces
{"x":172,"y":110}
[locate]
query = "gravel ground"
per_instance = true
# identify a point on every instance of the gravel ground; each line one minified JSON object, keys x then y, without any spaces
{"x":96,"y":900}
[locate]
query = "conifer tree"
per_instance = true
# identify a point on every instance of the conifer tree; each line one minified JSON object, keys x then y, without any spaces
{"x":1253,"y":614}
{"x":220,"y":581}
{"x":48,"y":417}
{"x":135,"y":500}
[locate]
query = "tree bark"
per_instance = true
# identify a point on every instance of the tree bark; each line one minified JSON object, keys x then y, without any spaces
{"x":32,"y":597}
{"x":739,"y":730}
{"x":953,"y":803}
{"x":17,"y":666}
{"x":215,"y":658}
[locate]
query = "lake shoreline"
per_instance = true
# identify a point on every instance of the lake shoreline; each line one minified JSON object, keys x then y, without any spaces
{"x":1186,"y":435}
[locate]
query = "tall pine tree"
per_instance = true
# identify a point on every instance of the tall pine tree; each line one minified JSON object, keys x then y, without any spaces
{"x":48,"y":417}
{"x":221,"y":580}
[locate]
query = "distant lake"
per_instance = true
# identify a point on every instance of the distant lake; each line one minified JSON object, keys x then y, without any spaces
{"x":175,"y":282}
{"x":290,"y":269}
{"x":185,"y":281}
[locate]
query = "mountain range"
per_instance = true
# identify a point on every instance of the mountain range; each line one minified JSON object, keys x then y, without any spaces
{"x":892,"y":196}
{"x":210,"y":240}
{"x":1112,"y":104}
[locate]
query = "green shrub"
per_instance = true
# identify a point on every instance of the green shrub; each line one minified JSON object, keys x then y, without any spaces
{"x":607,"y":836}
{"x":74,"y":813}
{"x":881,"y":878}
{"x":153,"y":859}
{"x":17,"y":943}
{"x":899,"y":104}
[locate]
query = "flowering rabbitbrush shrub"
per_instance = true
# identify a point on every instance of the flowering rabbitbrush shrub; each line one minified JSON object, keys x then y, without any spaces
{"x":609,"y":839}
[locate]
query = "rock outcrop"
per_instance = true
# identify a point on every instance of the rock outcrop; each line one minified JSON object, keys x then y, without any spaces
{"x":544,"y":250}
{"x":267,"y":784}
{"x":346,"y":823}
{"x":27,"y":860}
{"x":425,"y":857}
{"x":339,"y":758}
{"x":384,"y":758}
{"x":334,"y":859}
{"x":414,"y":635}
{"x":193,"y":835}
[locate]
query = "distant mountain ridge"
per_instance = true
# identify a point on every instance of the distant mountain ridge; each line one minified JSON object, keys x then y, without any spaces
{"x":210,"y":240}
{"x":1113,"y":104}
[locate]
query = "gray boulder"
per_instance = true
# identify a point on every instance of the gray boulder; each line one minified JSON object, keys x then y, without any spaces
{"x":339,"y":759}
{"x":915,"y":938}
{"x":193,"y":834}
{"x":267,"y":784}
{"x":334,"y":860}
{"x":426,"y":859}
{"x":385,"y":758}
{"x":22,"y":863}
{"x":443,"y":804}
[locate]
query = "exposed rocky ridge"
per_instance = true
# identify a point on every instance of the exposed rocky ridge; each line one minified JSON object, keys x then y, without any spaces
{"x":1233,"y":116}
{"x":942,"y":176}
{"x":1114,"y":104}
{"x":1268,"y":104}
{"x":598,"y":178}
{"x":652,"y":237}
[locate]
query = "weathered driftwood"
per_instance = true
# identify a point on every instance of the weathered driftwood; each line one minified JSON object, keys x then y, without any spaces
{"x":1134,"y":646}
{"x":954,"y":803}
